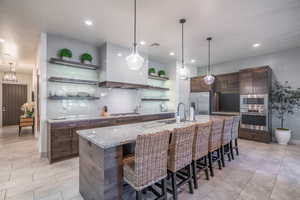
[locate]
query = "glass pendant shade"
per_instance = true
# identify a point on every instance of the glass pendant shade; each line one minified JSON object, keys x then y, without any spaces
{"x":134,"y":61}
{"x":209,"y":79}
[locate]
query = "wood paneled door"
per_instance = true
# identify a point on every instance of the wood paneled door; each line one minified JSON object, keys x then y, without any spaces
{"x":13,"y":97}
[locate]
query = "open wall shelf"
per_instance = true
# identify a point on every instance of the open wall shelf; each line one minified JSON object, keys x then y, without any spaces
{"x":111,"y":84}
{"x":155,"y":77}
{"x":73,"y":81}
{"x":155,"y":99}
{"x":73,"y":64}
{"x":72,"y":98}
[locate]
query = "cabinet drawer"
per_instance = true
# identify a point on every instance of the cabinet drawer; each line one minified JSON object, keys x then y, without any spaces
{"x":102,"y":123}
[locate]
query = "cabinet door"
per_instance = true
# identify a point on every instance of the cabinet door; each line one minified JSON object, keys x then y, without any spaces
{"x":260,"y":81}
{"x":246,"y":83}
{"x":75,"y":142}
{"x":61,"y":144}
{"x":198,"y":85}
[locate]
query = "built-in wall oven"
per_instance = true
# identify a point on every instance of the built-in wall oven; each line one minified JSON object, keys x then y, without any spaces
{"x":254,"y":112}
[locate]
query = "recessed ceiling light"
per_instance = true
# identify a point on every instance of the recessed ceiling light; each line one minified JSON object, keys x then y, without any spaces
{"x":88,"y":22}
{"x":256,"y":45}
{"x":172,"y":54}
{"x":2,"y":40}
{"x":142,"y":42}
{"x":193,"y":61}
{"x":120,"y":54}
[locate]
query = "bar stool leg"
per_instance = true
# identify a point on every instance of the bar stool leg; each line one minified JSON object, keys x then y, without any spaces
{"x":195,"y":174}
{"x":228,"y":153}
{"x":164,"y":188}
{"x":210,"y":164}
{"x":219,"y":158}
{"x":222,"y":156}
{"x":206,"y":167}
{"x":231,"y":150}
{"x":138,"y":195}
{"x":190,"y":179}
{"x":236,"y":147}
{"x":174,"y":186}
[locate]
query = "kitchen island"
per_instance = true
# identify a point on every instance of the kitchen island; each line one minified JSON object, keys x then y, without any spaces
{"x":101,"y":155}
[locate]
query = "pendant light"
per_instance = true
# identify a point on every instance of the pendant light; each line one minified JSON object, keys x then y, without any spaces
{"x":134,"y":60}
{"x":182,"y":70}
{"x":209,"y":79}
{"x":11,"y":74}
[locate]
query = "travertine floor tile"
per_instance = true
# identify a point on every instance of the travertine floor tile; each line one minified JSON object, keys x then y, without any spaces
{"x":261,"y":172}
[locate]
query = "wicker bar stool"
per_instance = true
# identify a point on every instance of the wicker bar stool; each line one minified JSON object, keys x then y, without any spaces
{"x":215,"y":144}
{"x":180,"y":158}
{"x":226,"y":138}
{"x":235,"y":135}
{"x":149,"y":165}
{"x":200,"y":150}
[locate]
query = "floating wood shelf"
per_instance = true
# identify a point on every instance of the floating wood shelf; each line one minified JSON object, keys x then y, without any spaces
{"x":72,"y":98}
{"x":70,"y":80}
{"x":155,"y":77}
{"x":155,"y":99}
{"x":73,"y":64}
{"x":111,"y":84}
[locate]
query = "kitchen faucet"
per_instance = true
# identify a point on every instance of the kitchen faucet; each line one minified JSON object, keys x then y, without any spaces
{"x":184,"y":111}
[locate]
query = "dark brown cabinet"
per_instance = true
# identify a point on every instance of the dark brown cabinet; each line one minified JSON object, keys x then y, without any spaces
{"x":255,"y":80}
{"x":198,"y":85}
{"x":227,"y":83}
{"x":63,"y":140}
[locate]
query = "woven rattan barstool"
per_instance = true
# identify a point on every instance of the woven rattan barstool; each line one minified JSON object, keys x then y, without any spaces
{"x":149,"y":165}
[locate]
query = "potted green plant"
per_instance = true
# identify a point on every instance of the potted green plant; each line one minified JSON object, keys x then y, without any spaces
{"x":65,"y":54}
{"x":151,"y":71}
{"x":86,"y":58}
{"x":285,"y":100}
{"x":162,"y":73}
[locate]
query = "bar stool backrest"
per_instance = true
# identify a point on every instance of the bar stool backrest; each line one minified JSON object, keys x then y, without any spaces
{"x":180,"y":150}
{"x":201,"y":139}
{"x":235,"y":127}
{"x":216,"y":134}
{"x":227,"y":131}
{"x":151,"y":156}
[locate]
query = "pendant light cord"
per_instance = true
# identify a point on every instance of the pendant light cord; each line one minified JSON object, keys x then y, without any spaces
{"x":134,"y":29}
{"x":182,"y":21}
{"x":208,"y":68}
{"x":182,"y":52}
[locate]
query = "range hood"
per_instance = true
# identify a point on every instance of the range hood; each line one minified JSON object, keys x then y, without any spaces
{"x":114,"y":68}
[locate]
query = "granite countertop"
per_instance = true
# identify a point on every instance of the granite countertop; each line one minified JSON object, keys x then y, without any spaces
{"x":113,"y":136}
{"x":80,"y":118}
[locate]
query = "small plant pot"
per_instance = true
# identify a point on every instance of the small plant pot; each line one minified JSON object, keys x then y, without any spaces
{"x":283,"y":136}
{"x":65,"y":58}
{"x":162,"y":75}
{"x":152,"y":74}
{"x":86,"y":62}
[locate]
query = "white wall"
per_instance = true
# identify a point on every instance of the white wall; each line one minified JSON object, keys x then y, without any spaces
{"x":41,"y":70}
{"x":285,"y":66}
{"x":25,"y":79}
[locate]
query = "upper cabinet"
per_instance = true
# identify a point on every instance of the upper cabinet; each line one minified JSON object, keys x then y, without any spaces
{"x":255,"y":80}
{"x":227,"y":83}
{"x":198,"y":85}
{"x":114,"y":67}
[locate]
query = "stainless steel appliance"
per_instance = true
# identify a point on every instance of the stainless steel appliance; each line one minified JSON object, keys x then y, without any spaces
{"x":201,"y":100}
{"x":254,"y":112}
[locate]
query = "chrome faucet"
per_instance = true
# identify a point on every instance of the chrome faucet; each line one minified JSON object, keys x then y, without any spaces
{"x":184,"y":111}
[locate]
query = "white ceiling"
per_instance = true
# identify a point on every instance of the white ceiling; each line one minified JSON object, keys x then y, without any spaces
{"x":234,"y":25}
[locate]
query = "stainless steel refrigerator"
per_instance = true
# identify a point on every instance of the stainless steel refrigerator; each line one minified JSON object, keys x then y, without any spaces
{"x":201,"y":100}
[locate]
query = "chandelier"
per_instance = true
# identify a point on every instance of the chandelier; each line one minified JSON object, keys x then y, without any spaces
{"x":11,"y":74}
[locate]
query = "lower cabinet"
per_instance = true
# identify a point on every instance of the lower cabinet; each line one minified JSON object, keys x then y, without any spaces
{"x":256,"y":135}
{"x":63,"y":140}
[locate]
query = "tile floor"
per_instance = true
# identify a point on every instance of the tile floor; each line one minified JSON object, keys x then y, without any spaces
{"x":262,"y":171}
